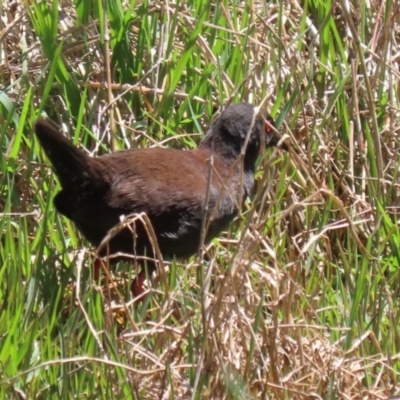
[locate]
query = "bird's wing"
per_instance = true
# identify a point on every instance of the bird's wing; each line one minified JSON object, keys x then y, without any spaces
{"x":171,"y":186}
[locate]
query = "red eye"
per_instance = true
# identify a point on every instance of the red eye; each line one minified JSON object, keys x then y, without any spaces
{"x":269,"y":125}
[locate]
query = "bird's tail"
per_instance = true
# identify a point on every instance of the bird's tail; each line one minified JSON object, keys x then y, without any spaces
{"x":69,"y":163}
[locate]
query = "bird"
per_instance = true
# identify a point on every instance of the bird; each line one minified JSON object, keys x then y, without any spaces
{"x":189,"y":196}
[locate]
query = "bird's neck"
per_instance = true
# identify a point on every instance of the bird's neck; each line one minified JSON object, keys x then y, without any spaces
{"x":219,"y":148}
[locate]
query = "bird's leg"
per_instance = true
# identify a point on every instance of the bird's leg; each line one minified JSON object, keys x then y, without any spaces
{"x":138,"y":289}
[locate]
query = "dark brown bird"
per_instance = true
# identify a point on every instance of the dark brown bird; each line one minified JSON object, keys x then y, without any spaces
{"x":169,"y":185}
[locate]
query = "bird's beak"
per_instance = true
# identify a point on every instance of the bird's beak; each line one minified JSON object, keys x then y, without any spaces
{"x":271,"y":138}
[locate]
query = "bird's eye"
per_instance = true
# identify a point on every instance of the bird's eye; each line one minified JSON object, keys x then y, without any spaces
{"x":270,"y":125}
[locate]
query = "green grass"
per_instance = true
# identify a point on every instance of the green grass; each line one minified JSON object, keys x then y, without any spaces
{"x":300,"y":298}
